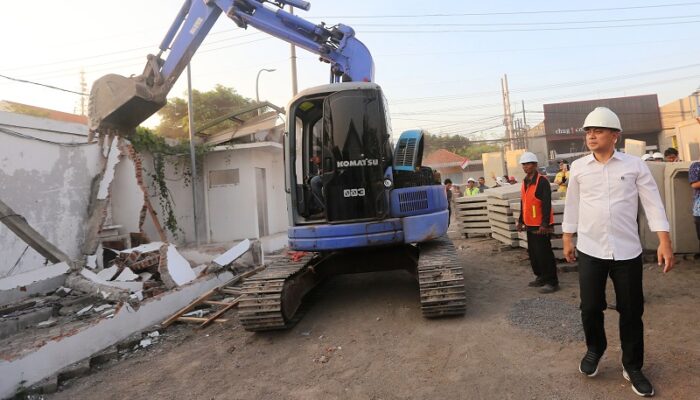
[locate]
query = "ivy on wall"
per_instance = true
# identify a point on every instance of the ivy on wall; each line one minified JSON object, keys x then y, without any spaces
{"x":146,"y":141}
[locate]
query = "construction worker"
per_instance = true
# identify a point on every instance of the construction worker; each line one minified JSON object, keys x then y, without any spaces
{"x":537,"y":219}
{"x":471,"y":189}
{"x":448,"y":192}
{"x":601,"y":206}
{"x":482,"y":184}
{"x":671,"y":155}
{"x":562,"y":177}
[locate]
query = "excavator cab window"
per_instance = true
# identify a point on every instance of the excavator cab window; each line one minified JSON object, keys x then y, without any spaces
{"x":308,"y":139}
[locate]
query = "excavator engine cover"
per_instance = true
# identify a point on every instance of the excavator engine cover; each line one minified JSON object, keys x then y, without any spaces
{"x":121,"y":103}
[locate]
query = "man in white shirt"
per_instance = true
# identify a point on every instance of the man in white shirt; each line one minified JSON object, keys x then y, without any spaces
{"x":601,"y":206}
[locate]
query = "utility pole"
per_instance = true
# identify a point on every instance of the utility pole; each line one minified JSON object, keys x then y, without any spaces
{"x":83,"y":89}
{"x":508,"y":117}
{"x":190,"y":115}
{"x":294,"y":62}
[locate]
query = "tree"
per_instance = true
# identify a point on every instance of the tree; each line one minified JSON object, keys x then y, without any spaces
{"x":458,"y":145}
{"x":207,"y":106}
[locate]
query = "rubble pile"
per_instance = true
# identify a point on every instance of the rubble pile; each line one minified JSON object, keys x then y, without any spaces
{"x":141,"y":272}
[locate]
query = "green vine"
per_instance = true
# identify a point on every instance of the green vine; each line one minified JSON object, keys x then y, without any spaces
{"x":145,"y":141}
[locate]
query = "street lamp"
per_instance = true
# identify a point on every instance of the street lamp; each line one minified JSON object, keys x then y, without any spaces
{"x":257,"y":80}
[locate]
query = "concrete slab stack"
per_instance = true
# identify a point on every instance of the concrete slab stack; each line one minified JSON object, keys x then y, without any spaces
{"x":557,"y":242}
{"x":500,"y":213}
{"x":472,"y":215}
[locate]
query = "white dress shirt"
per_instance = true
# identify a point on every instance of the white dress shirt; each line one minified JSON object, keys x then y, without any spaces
{"x":602,"y":203}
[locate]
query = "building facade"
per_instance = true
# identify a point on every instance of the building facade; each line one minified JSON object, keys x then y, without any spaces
{"x":639,"y":116}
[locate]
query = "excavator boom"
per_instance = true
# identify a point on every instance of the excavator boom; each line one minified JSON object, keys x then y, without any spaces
{"x":119,"y":104}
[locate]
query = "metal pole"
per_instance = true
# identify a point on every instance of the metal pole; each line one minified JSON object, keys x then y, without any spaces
{"x":294,"y":62}
{"x":257,"y":80}
{"x":190,"y":115}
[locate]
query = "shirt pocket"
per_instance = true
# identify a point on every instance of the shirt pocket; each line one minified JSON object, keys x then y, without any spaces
{"x":623,"y":184}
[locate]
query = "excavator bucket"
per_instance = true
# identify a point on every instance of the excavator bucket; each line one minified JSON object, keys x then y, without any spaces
{"x":120,"y":104}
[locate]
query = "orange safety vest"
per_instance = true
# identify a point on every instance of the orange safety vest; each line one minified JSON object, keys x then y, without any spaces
{"x":532,"y":206}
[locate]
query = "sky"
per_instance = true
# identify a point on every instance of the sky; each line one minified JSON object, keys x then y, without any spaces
{"x":440,"y":64}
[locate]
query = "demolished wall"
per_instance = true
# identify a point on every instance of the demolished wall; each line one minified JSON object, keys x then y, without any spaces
{"x":46,"y":168}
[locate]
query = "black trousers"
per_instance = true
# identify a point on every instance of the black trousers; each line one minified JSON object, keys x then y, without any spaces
{"x":544,"y":266}
{"x":626,"y":276}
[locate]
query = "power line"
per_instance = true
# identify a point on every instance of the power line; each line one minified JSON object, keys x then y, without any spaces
{"x":500,"y":30}
{"x":41,"y":84}
{"x":600,"y":21}
{"x":515,"y":12}
{"x":29,"y":137}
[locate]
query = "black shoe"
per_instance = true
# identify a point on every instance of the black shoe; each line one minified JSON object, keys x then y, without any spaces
{"x":640,"y":383}
{"x":536,"y":283}
{"x":589,"y":364}
{"x":547,"y":288}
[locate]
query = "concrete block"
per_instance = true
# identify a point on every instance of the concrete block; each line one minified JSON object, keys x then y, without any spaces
{"x":481,"y":224}
{"x":508,"y":241}
{"x":470,"y":213}
{"x":38,"y":281}
{"x":126,"y":275}
{"x":233,"y":253}
{"x":471,"y":199}
{"x":46,"y":360}
{"x":502,"y":225}
{"x":109,"y":273}
{"x":502,"y":218}
{"x":471,"y":206}
{"x":476,"y":230}
{"x":12,"y":325}
{"x":500,"y":209}
{"x":174,"y":269}
{"x":505,"y":233}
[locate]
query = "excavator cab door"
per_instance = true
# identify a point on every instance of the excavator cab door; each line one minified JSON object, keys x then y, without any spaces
{"x":354,"y":156}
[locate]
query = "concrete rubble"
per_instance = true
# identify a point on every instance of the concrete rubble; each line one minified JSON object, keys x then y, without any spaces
{"x":88,"y":310}
{"x":65,"y":313}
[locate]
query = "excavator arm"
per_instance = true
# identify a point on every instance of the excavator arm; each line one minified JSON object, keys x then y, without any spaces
{"x":119,"y":104}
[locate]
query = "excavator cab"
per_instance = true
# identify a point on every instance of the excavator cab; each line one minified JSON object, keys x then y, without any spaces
{"x":338,"y":150}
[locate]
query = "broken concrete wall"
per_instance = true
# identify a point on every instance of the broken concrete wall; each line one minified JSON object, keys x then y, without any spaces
{"x":180,"y":187}
{"x":47,"y":182}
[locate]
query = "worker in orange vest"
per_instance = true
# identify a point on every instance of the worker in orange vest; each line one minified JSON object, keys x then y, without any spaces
{"x":537,"y":218}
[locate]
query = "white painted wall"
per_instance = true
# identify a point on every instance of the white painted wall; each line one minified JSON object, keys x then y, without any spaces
{"x":47,"y":183}
{"x":271,"y":158}
{"x":232,"y":210}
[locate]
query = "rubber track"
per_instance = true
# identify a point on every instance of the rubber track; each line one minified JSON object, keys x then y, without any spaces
{"x":441,"y":279}
{"x":260,"y":308}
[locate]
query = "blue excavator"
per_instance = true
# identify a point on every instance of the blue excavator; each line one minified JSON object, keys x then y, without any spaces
{"x":355,"y":203}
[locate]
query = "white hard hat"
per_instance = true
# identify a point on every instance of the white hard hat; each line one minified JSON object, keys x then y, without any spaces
{"x":528,"y":157}
{"x":657,"y":156}
{"x":646,"y":157}
{"x":602,"y":117}
{"x":471,"y":180}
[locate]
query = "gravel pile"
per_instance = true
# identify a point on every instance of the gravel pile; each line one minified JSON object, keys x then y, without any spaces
{"x":552,"y":319}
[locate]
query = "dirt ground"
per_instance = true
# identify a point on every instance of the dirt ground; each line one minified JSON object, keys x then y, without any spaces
{"x":364,"y":338}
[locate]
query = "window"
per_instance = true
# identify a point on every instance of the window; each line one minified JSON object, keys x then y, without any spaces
{"x":223,"y":177}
